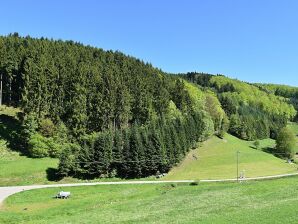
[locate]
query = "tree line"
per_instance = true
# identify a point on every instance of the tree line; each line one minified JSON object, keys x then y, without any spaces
{"x":102,"y":108}
{"x":139,"y":151}
{"x":253,"y":112}
{"x":288,"y":92}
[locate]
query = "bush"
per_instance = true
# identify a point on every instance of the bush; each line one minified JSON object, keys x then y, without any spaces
{"x":3,"y":148}
{"x":38,"y":146}
{"x":286,"y":142}
{"x":54,"y":148}
{"x":46,"y":127}
{"x":173,"y":185}
{"x":61,"y":133}
{"x":257,"y":144}
{"x":195,"y":183}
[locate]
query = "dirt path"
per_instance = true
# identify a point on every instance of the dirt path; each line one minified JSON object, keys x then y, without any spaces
{"x":7,"y":191}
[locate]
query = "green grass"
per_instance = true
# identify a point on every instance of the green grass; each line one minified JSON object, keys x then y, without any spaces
{"x":9,"y":111}
{"x":20,"y":170}
{"x":273,"y":201}
{"x":16,"y":170}
{"x":217,"y":159}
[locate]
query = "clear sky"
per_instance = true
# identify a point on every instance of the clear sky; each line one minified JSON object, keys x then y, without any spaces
{"x":252,"y":40}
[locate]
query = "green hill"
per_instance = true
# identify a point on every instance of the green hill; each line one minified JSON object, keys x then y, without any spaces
{"x":216,"y":159}
{"x":289,"y":92}
{"x":105,"y":114}
{"x":253,"y":112}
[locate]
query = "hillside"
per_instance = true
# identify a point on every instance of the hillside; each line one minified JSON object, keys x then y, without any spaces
{"x":214,"y":159}
{"x":217,"y":159}
{"x":104,"y":114}
{"x":289,"y":92}
{"x":102,"y":107}
{"x":253,"y":112}
{"x":20,"y":170}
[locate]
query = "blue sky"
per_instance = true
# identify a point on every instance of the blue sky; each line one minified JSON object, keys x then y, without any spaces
{"x":252,"y":40}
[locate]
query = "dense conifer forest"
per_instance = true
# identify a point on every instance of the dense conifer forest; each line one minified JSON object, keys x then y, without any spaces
{"x":106,"y":114}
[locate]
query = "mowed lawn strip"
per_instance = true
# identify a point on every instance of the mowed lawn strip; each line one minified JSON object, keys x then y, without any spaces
{"x":272,"y":201}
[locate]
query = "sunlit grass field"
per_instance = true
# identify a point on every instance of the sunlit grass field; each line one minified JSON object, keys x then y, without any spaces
{"x":20,"y":170}
{"x":217,"y":159}
{"x":272,"y":201}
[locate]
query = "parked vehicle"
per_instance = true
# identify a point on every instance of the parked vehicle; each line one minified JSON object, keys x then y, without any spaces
{"x":63,"y":195}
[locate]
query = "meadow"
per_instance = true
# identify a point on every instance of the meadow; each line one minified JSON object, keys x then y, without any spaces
{"x":21,"y":170}
{"x":217,"y":159}
{"x":271,"y":201}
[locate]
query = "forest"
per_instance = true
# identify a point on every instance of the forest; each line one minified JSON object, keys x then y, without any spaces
{"x":289,"y":92}
{"x":106,"y":114}
{"x":253,"y":112}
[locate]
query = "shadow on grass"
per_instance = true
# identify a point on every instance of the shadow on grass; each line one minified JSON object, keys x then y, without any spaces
{"x":11,"y":131}
{"x":253,"y":147}
{"x":53,"y":175}
{"x":274,"y":152}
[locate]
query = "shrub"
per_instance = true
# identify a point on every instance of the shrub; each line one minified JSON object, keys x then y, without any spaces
{"x":61,"y":133}
{"x":195,"y":183}
{"x":173,"y":185}
{"x":3,"y":144}
{"x":38,"y":146}
{"x":286,"y":142}
{"x":54,"y":148}
{"x":46,"y":127}
{"x":257,"y":144}
{"x":3,"y":148}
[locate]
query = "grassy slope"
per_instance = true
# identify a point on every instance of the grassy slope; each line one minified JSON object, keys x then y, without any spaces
{"x":14,"y":168}
{"x":20,"y":170}
{"x":217,"y":159}
{"x":273,"y":201}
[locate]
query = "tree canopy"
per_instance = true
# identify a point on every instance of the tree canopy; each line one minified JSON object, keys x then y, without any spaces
{"x":104,"y":113}
{"x":286,"y":142}
{"x":253,"y":112}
